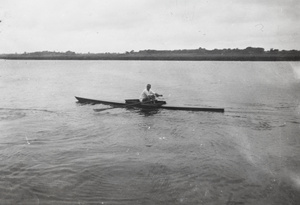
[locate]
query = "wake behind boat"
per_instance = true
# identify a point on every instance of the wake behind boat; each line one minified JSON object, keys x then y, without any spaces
{"x":146,"y":105}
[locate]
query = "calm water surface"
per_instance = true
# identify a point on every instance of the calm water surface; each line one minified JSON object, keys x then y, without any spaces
{"x":56,"y":151}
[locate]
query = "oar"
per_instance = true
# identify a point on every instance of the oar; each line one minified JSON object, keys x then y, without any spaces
{"x":99,"y":110}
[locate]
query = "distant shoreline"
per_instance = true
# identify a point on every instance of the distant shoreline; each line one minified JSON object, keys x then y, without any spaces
{"x":248,"y":54}
{"x":162,"y":58}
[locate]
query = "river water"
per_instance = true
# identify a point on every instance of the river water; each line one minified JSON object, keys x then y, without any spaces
{"x":56,"y":151}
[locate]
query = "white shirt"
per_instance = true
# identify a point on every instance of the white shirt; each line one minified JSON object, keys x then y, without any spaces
{"x":146,"y":93}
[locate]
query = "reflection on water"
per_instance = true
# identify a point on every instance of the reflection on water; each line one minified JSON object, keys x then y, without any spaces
{"x":148,"y":112}
{"x":56,"y":151}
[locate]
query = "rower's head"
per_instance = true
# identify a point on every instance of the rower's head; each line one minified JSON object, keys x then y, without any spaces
{"x":148,"y":86}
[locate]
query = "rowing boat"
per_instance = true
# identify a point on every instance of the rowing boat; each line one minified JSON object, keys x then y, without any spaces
{"x":138,"y":104}
{"x":156,"y":105}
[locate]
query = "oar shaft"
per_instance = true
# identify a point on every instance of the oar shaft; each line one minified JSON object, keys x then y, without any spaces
{"x":129,"y":105}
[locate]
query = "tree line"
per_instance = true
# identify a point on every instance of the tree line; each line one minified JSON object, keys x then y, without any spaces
{"x":247,"y":54}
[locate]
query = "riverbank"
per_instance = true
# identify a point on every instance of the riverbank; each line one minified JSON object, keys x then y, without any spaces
{"x":157,"y":58}
{"x":248,"y":54}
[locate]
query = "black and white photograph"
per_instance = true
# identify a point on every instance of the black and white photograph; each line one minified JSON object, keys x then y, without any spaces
{"x":149,"y":102}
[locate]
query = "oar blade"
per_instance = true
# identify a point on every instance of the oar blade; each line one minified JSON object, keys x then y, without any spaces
{"x":102,"y":109}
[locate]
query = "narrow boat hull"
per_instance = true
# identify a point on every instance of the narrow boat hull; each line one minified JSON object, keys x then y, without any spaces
{"x":148,"y":106}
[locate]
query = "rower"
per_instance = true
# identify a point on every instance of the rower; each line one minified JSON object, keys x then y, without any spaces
{"x":149,"y":95}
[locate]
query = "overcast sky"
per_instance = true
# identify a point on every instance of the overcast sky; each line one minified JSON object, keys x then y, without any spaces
{"x":125,"y":25}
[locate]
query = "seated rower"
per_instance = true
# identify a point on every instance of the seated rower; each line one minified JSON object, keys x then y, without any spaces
{"x":148,"y":95}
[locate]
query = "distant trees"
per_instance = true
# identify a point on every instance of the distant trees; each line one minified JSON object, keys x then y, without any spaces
{"x":252,"y":50}
{"x":249,"y":53}
{"x":274,"y":50}
{"x":70,"y":53}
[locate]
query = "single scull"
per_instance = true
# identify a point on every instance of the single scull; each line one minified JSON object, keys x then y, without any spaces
{"x":137,"y":103}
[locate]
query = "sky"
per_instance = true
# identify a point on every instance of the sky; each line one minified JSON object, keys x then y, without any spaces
{"x":100,"y":26}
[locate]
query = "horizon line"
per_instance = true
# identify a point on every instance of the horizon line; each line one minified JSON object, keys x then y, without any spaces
{"x":106,"y":52}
